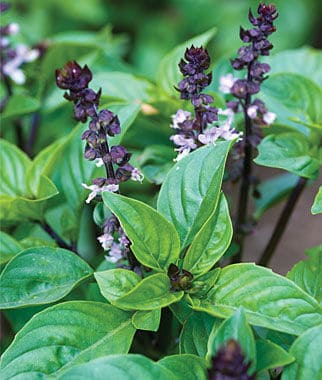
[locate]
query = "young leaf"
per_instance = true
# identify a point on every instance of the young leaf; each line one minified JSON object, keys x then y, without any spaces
{"x":305,"y":61}
{"x":40,"y":275}
{"x":308,"y":356}
{"x":16,"y":200}
{"x":155,"y":242}
{"x":168,"y":73}
{"x":317,"y":205}
{"x":211,"y":241}
{"x":188,"y":367}
{"x":270,"y":355}
{"x":288,"y":151}
{"x":64,"y":335}
{"x":195,"y":333}
{"x":18,"y":105}
{"x":307,"y":274}
{"x":295,"y":99}
{"x":125,"y":86}
{"x":273,"y":191}
{"x":9,"y":247}
{"x":115,"y":283}
{"x":155,"y":162}
{"x":191,"y":190}
{"x":235,"y":327}
{"x":119,"y":367}
{"x":151,"y":293}
{"x":147,"y":320}
{"x":268,"y":299}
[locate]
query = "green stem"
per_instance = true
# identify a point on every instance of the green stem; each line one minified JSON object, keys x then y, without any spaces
{"x":282,"y":222}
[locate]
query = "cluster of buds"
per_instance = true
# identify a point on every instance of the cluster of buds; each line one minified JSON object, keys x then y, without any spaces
{"x":229,"y":363}
{"x":114,"y":240}
{"x":13,"y":57}
{"x":257,"y":44}
{"x":204,"y":126}
{"x":102,"y":124}
{"x":179,"y":279}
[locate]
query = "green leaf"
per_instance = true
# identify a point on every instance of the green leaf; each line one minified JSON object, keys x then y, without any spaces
{"x":40,"y":275}
{"x":308,"y":356}
{"x":273,"y":191}
{"x":270,"y":355}
{"x":195,"y":333}
{"x":119,"y":367}
{"x":155,"y":162}
{"x":151,"y":293}
{"x":124,"y":86}
{"x":19,"y":105}
{"x":115,"y":283}
{"x":288,"y":151}
{"x":9,"y":247}
{"x":295,"y":99}
{"x":64,"y":335}
{"x":317,"y":205}
{"x":17,"y":202}
{"x":188,"y":367}
{"x":305,"y":61}
{"x":235,"y":327}
{"x":307,"y":274}
{"x":191,"y":190}
{"x":155,"y":242}
{"x":147,"y":320}
{"x":211,"y":242}
{"x":168,"y":73}
{"x":269,"y":300}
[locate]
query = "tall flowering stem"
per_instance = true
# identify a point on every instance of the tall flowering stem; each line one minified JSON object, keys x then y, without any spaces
{"x":255,"y":112}
{"x":102,"y":125}
{"x":204,"y":126}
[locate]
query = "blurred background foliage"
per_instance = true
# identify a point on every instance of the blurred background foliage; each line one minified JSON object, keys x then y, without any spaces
{"x":151,"y":28}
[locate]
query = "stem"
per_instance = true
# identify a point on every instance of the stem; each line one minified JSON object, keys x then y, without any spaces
{"x":282,"y":222}
{"x":60,"y":242}
{"x":33,"y":133}
{"x":245,"y":185}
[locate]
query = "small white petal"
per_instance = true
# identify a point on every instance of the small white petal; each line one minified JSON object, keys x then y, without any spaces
{"x":252,"y":111}
{"x":13,"y":28}
{"x":31,"y":55}
{"x":226,"y":83}
{"x":179,"y":117}
{"x":18,"y":76}
{"x":99,"y":162}
{"x":269,"y":117}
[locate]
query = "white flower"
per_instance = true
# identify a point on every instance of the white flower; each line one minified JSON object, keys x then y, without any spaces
{"x":185,"y":145}
{"x":183,"y":142}
{"x":226,"y":83}
{"x":23,"y":54}
{"x":269,"y":117}
{"x":227,"y":133}
{"x":95,"y":190}
{"x":106,"y":241}
{"x":209,"y":136}
{"x":136,"y":175}
{"x":179,"y":117}
{"x":229,"y":113}
{"x":99,"y":162}
{"x":115,"y":253}
{"x":252,"y":111}
{"x":13,"y":28}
